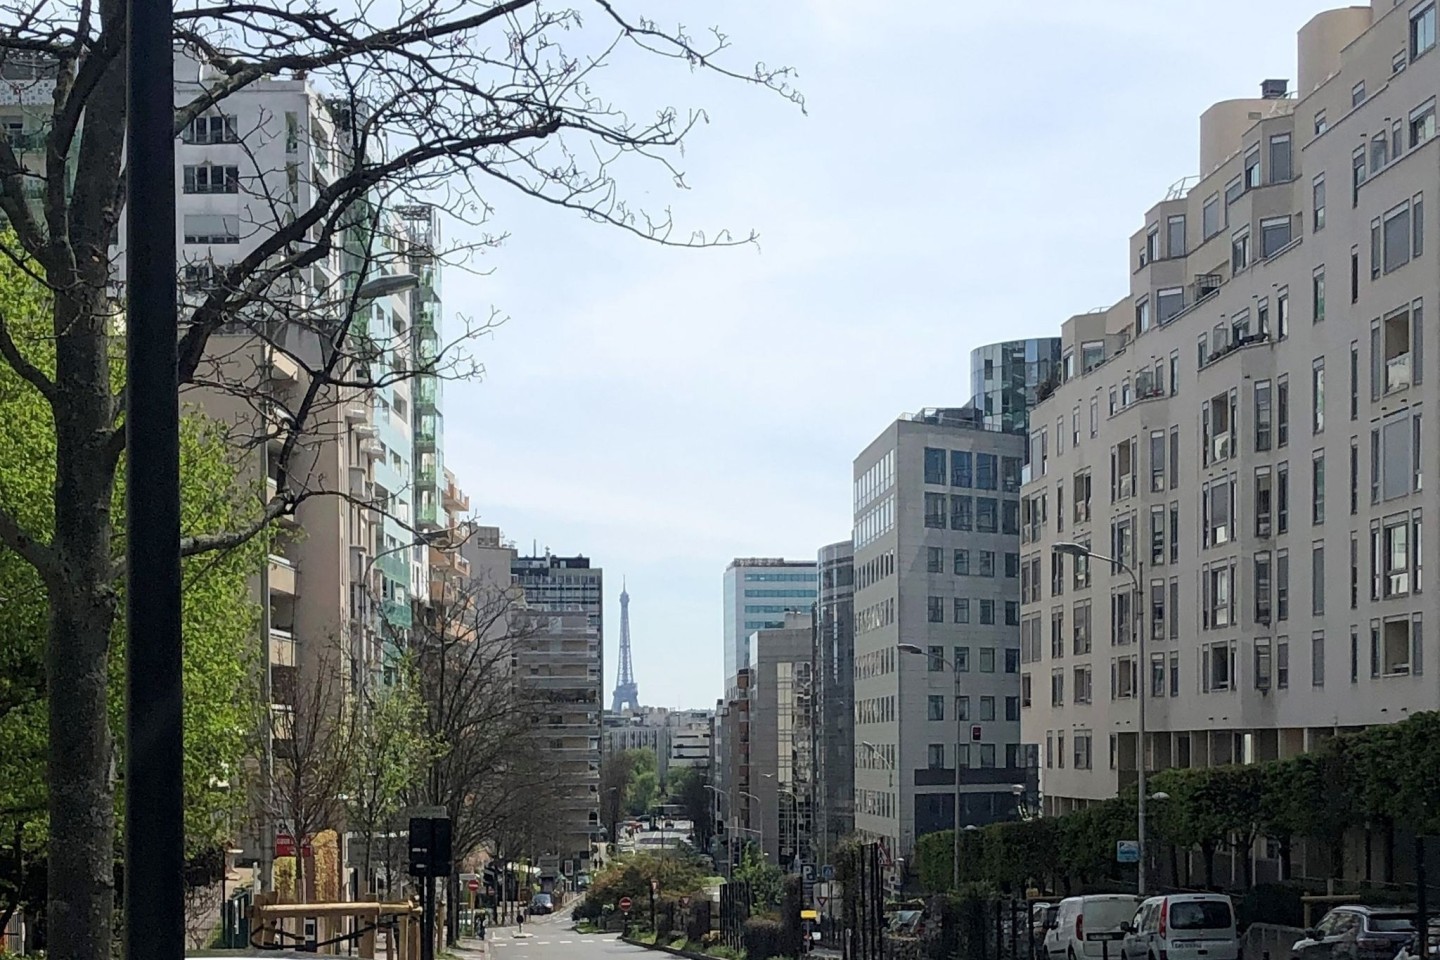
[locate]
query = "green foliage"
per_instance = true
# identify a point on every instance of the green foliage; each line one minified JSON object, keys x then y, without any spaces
{"x":630,"y":877}
{"x":220,"y":618}
{"x":688,"y":789}
{"x":642,"y":791}
{"x":766,"y":880}
{"x":763,"y":939}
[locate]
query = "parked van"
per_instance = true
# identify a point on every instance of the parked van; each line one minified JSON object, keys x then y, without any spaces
{"x":1090,"y":928}
{"x":1183,"y":926}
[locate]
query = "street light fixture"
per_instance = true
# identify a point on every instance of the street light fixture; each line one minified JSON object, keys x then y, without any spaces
{"x":386,"y":286}
{"x":959,"y":739}
{"x":1079,"y":550}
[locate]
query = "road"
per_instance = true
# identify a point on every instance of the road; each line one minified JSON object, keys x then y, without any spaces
{"x":548,"y":938}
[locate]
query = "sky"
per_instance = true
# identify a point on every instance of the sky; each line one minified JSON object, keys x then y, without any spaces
{"x":966,"y":171}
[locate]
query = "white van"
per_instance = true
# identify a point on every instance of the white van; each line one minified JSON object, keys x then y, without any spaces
{"x":1183,"y":926}
{"x":1090,"y":928}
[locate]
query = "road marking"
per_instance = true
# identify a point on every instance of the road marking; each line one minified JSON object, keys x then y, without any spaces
{"x":566,"y":942}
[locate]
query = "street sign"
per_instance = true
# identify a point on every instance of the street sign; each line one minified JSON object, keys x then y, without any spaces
{"x":807,"y":872}
{"x":625,"y":904}
{"x":474,"y":885}
{"x":827,"y":872}
{"x":285,"y":846}
{"x":822,"y":901}
{"x":684,"y":903}
{"x":1127,"y":851}
{"x":654,"y":886}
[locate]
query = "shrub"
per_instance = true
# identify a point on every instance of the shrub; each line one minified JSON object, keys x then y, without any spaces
{"x":763,"y":939}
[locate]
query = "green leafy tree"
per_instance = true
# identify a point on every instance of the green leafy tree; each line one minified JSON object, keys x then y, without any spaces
{"x":689,"y":790}
{"x":220,"y":619}
{"x":1021,"y":851}
{"x":392,"y":752}
{"x":766,"y":880}
{"x":642,"y":791}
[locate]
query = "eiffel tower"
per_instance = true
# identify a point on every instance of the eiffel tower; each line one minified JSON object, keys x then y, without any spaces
{"x":627,"y":694}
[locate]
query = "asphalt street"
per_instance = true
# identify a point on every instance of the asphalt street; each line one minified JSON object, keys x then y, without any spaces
{"x":547,"y":938}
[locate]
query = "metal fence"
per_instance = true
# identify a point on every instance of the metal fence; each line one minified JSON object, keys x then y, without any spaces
{"x":734,"y":911}
{"x":863,"y":917}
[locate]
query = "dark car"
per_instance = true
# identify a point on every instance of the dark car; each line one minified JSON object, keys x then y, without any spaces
{"x":1357,"y":933}
{"x":541,"y":903}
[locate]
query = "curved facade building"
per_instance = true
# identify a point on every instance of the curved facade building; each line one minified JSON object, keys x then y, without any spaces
{"x":1004,"y":379}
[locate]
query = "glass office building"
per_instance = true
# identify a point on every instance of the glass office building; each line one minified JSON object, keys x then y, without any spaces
{"x":1004,"y":378}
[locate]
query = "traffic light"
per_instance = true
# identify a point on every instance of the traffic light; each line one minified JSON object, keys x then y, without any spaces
{"x":431,"y":852}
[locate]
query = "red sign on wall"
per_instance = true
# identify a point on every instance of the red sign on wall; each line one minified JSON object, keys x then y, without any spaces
{"x":285,"y":846}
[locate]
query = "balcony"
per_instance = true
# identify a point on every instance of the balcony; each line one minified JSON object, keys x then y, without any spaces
{"x":397,"y":614}
{"x":282,"y":648}
{"x":356,"y":413}
{"x":427,"y":392}
{"x":365,"y":430}
{"x":360,"y":484}
{"x":282,"y":367}
{"x":372,"y":448}
{"x":427,"y":514}
{"x":282,"y":575}
{"x":454,"y":499}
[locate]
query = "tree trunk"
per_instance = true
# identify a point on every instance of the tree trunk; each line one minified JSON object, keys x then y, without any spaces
{"x":1208,"y":851}
{"x":1287,"y":857}
{"x":81,"y":891}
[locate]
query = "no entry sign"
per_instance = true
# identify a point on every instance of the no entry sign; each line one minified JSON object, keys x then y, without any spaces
{"x":625,"y":904}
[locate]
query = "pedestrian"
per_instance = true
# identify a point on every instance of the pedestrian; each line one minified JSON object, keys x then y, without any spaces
{"x":519,"y":922}
{"x":480,"y":923}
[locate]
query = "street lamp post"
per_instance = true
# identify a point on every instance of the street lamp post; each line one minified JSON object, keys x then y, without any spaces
{"x":1078,"y":550}
{"x":959,"y":740}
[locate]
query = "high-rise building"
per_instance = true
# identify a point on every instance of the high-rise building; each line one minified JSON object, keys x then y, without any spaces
{"x":1005,"y":380}
{"x":1251,"y":414}
{"x":564,"y":657}
{"x":781,"y":739}
{"x":835,"y":680}
{"x":758,"y":594}
{"x":936,"y":566}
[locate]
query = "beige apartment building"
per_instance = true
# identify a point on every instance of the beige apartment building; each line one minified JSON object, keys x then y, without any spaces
{"x":1245,"y":431}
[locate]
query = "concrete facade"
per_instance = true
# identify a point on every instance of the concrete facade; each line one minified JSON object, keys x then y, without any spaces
{"x":935,"y":565}
{"x":1245,"y":430}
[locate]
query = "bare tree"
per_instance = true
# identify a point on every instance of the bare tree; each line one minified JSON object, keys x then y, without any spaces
{"x":315,"y":737}
{"x":438,"y":102}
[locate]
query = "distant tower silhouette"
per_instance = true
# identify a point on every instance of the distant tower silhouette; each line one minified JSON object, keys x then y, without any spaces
{"x":627,"y":694}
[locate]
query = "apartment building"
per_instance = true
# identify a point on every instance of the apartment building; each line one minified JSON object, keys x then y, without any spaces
{"x":936,"y":565}
{"x":563,"y":656}
{"x":1244,"y":431}
{"x":782,"y":758}
{"x":835,"y":679}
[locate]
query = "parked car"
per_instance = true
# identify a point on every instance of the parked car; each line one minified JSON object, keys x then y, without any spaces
{"x":1090,"y":927}
{"x":541,"y":903}
{"x":1183,"y":926}
{"x":1042,"y":914}
{"x":1357,"y":933}
{"x":1411,"y":950}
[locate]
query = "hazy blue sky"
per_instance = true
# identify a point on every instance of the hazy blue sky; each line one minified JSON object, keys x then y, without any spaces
{"x":969,"y":171}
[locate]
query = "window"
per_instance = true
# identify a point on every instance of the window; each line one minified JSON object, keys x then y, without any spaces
{"x":1354,"y":379}
{"x":987,"y":708}
{"x":1317,"y":395}
{"x":1397,"y":237}
{"x":1081,"y":643}
{"x":1354,"y":274}
{"x":987,"y":613}
{"x":1210,"y":216}
{"x":935,"y":609}
{"x":1175,"y":236}
{"x":1142,"y":316}
{"x":1264,"y":502}
{"x":1317,"y":193}
{"x":962,"y":563}
{"x":206,"y":178}
{"x":1317,"y":578}
{"x":1422,"y":30}
{"x":1282,"y":663}
{"x":1157,"y":535}
{"x":1252,"y":167}
{"x":1357,"y":94}
{"x":936,"y":707}
{"x":1240,"y":250}
{"x":212,"y":228}
{"x":962,"y":512}
{"x":1216,"y":666}
{"x":935,"y":659}
{"x":1151,"y":253}
{"x":1379,"y":152}
{"x":1012,"y":566}
{"x":961,"y":468}
{"x":1317,"y":659}
{"x":934,"y":466}
{"x":1282,"y":498}
{"x":1169,"y":302}
{"x":934,"y":560}
{"x":987,"y":756}
{"x":1354,"y":477}
{"x":1274,"y":236}
{"x":962,"y":662}
{"x":936,"y":756}
{"x":962,"y":610}
{"x":1317,"y":287}
{"x":985,"y":471}
{"x":1263,"y":416}
{"x":1012,"y":659}
{"x":1281,"y":168}
{"x":1217,"y":417}
{"x":1084,"y":684}
{"x":1157,"y":461}
{"x":1354,"y":655}
{"x":986,"y":519}
{"x":1395,"y":647}
{"x":1010,"y":516}
{"x":1422,"y":123}
{"x":987,"y":655}
{"x":1282,"y":411}
{"x":987,"y":563}
{"x":1260,"y":566}
{"x":1282,"y":585}
{"x":1082,"y":751}
{"x":204,"y":130}
{"x":1174,"y":457}
{"x":1218,"y":608}
{"x":1320,"y":123}
{"x":1396,"y":555}
{"x":1282,"y":314}
{"x":1012,"y":613}
{"x":1264,"y":674}
{"x":935,"y":510}
{"x":1174,"y":532}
